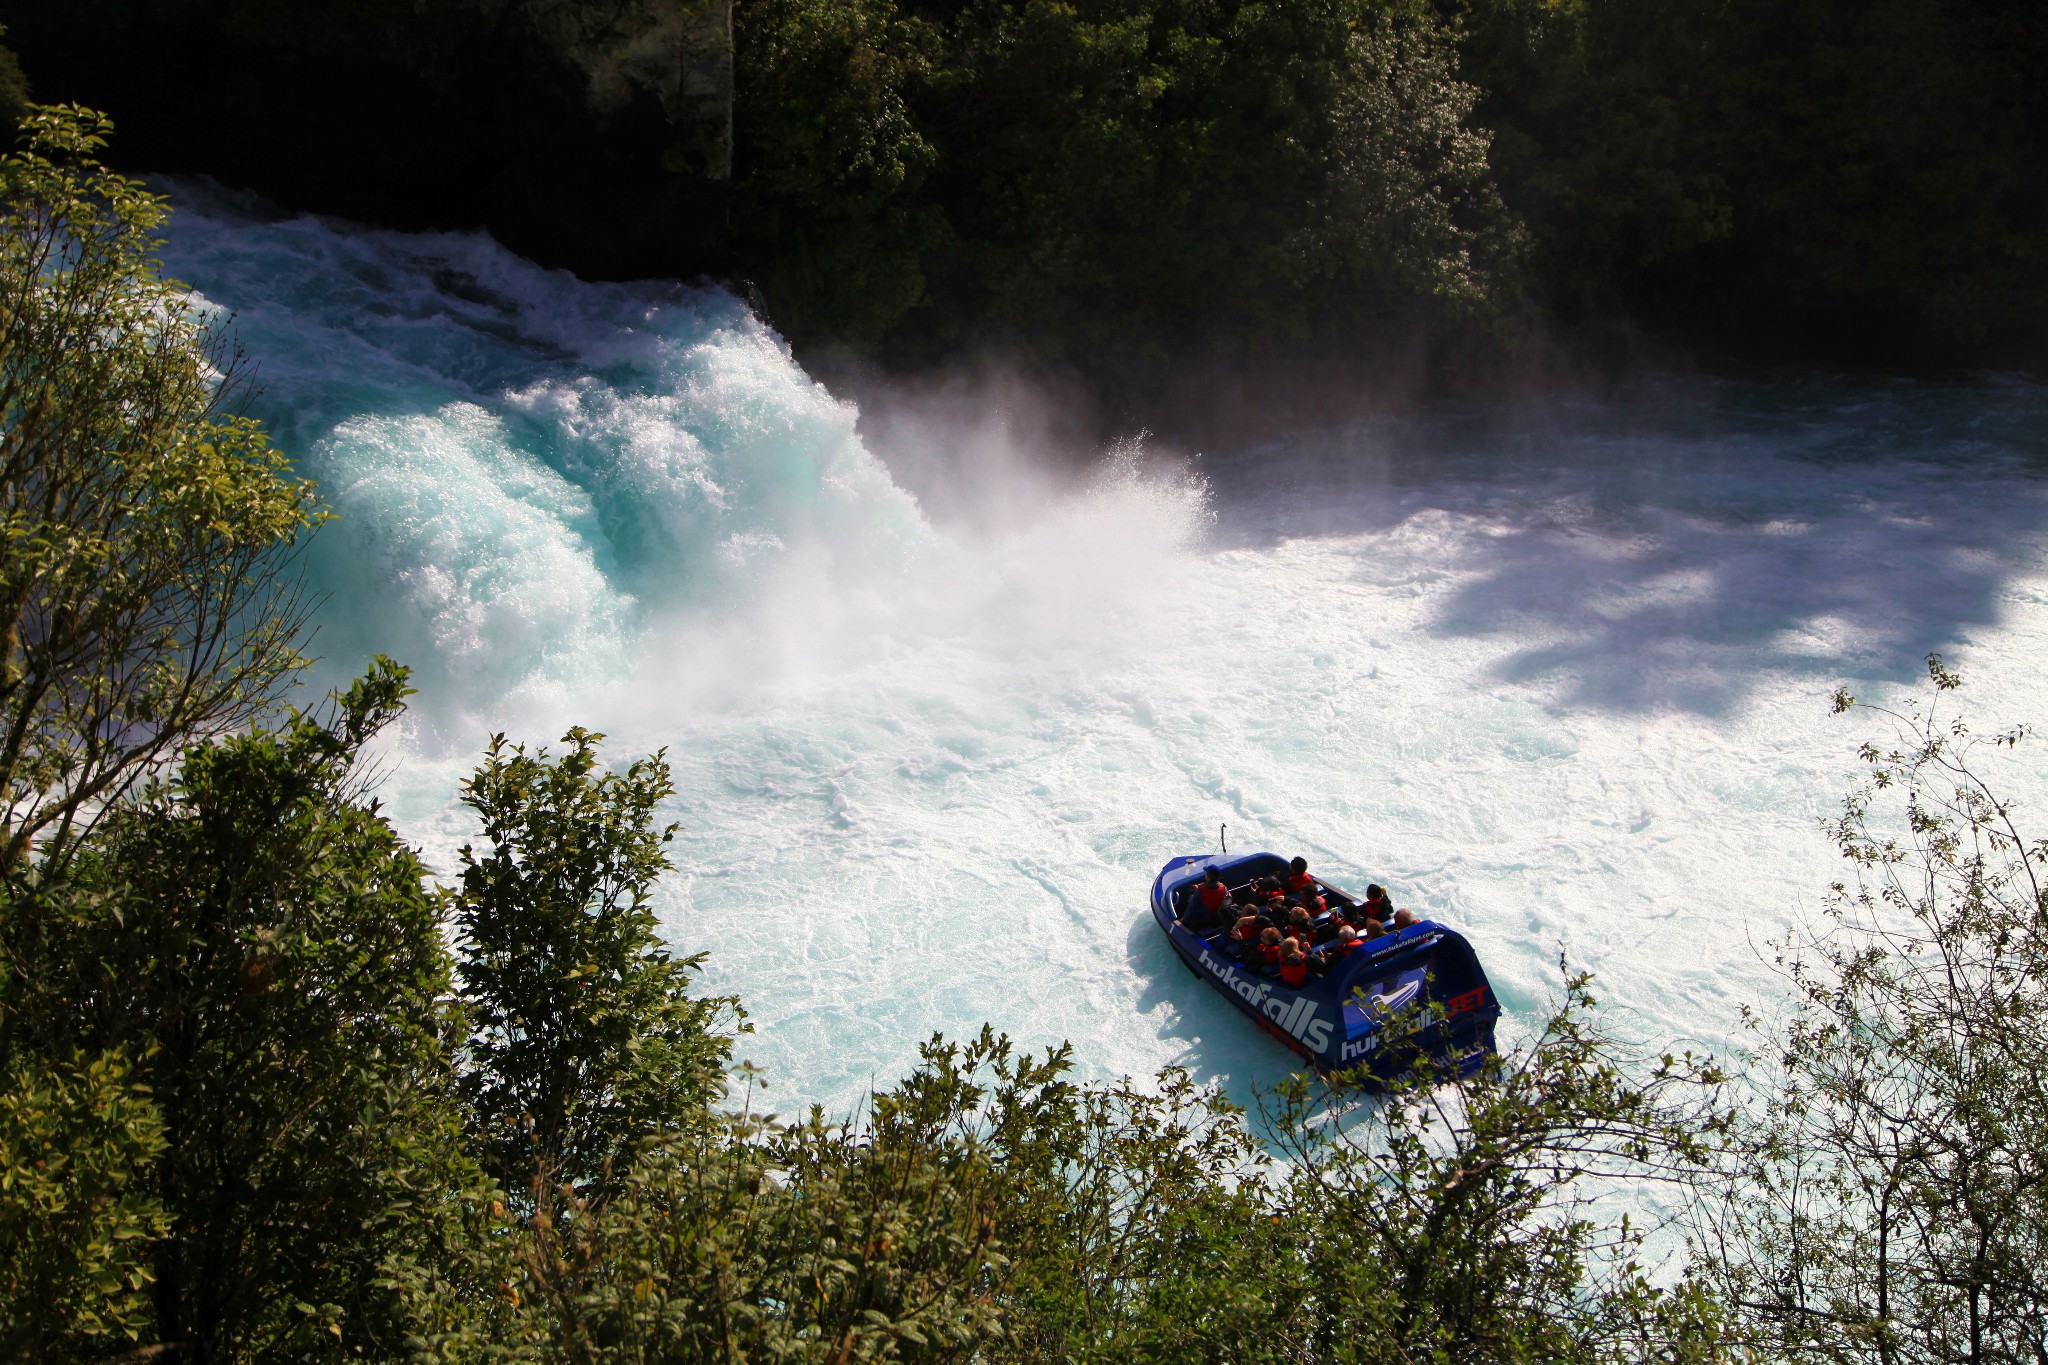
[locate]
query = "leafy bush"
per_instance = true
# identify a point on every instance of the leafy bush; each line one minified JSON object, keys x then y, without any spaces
{"x":75,"y":1223}
{"x":1894,"y":1203}
{"x":583,"y":1037}
{"x":257,"y":939}
{"x":141,"y":520}
{"x":1461,"y":1218}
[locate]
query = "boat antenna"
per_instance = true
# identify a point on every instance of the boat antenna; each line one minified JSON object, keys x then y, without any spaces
{"x":1223,"y":837}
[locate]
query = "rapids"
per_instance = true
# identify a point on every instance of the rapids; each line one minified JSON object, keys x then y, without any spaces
{"x":1559,"y":675}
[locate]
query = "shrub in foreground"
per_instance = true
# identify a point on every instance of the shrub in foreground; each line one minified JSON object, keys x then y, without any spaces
{"x":1892,"y":1205}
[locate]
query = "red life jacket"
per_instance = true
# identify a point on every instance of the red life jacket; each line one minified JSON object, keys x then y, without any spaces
{"x":1212,"y":902}
{"x":1270,"y":952}
{"x":1300,"y":881}
{"x":1381,"y":909}
{"x":1294,"y":973}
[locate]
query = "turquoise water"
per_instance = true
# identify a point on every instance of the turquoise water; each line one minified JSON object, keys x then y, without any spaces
{"x":1558,"y":675}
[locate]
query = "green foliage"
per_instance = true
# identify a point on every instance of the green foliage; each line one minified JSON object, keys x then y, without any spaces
{"x":583,"y":1037}
{"x":75,"y":1223}
{"x":835,"y":163}
{"x":1894,"y":1206}
{"x":1090,"y":178}
{"x":1459,"y":1218}
{"x":1115,"y":175}
{"x":254,"y":934}
{"x":988,"y":1207}
{"x":813,"y":1242}
{"x":1134,"y":1219}
{"x":141,"y":604}
{"x":1841,"y":174}
{"x":1111,"y":173}
{"x":992,"y":1208}
{"x":1603,"y":143}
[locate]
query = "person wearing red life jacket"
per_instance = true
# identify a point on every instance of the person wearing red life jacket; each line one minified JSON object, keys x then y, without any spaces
{"x":1377,"y":906}
{"x":1298,"y":879}
{"x":1204,"y":914}
{"x":1245,"y":935}
{"x":1325,"y":957}
{"x":1269,"y":948}
{"x":1294,"y":970}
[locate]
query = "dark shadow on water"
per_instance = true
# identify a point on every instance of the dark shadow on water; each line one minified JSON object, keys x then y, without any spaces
{"x":1664,"y":553}
{"x":1221,"y":1047}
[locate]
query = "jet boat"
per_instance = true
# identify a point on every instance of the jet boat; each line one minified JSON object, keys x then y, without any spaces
{"x":1376,"y":1013}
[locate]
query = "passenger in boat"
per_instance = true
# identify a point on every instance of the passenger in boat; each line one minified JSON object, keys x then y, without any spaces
{"x":1244,"y":935}
{"x":1298,"y":923}
{"x":1347,"y":941}
{"x":1294,"y":968}
{"x":1310,"y":898}
{"x":1377,"y":906}
{"x":1374,"y":929}
{"x":1403,"y":918}
{"x":1269,"y":890}
{"x":1205,"y":913}
{"x":1269,"y":947}
{"x":1298,"y":879}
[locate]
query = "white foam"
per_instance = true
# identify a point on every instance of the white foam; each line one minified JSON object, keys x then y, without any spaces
{"x":1561,"y":680}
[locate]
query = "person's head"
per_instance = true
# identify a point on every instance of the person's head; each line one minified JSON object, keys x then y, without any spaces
{"x":1298,"y":866}
{"x":1209,"y":877}
{"x":1373,"y":928}
{"x":1298,"y":915}
{"x":1271,"y":935}
{"x":1269,"y":883}
{"x":1404,"y":918}
{"x":1375,"y":892}
{"x":1346,"y":934}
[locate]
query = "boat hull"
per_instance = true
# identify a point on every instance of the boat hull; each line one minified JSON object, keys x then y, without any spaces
{"x":1357,"y":1019}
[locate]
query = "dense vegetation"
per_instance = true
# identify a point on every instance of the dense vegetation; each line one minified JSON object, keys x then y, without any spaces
{"x":270,"y":1092}
{"x":1122,"y":185}
{"x":1829,"y":177}
{"x":1108,"y":175}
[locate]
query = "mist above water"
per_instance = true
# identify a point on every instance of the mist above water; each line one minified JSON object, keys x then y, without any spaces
{"x":938,"y":712}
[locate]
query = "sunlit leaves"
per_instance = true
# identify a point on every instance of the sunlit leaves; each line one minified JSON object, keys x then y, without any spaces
{"x":142,"y":521}
{"x":583,"y":1037}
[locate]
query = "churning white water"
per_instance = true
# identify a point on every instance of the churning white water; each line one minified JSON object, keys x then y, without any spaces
{"x":1559,"y":677}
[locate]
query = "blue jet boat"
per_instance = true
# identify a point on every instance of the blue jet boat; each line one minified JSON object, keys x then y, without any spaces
{"x":1352,"y":1018}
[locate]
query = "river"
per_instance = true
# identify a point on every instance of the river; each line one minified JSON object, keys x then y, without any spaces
{"x":1557,"y":674}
